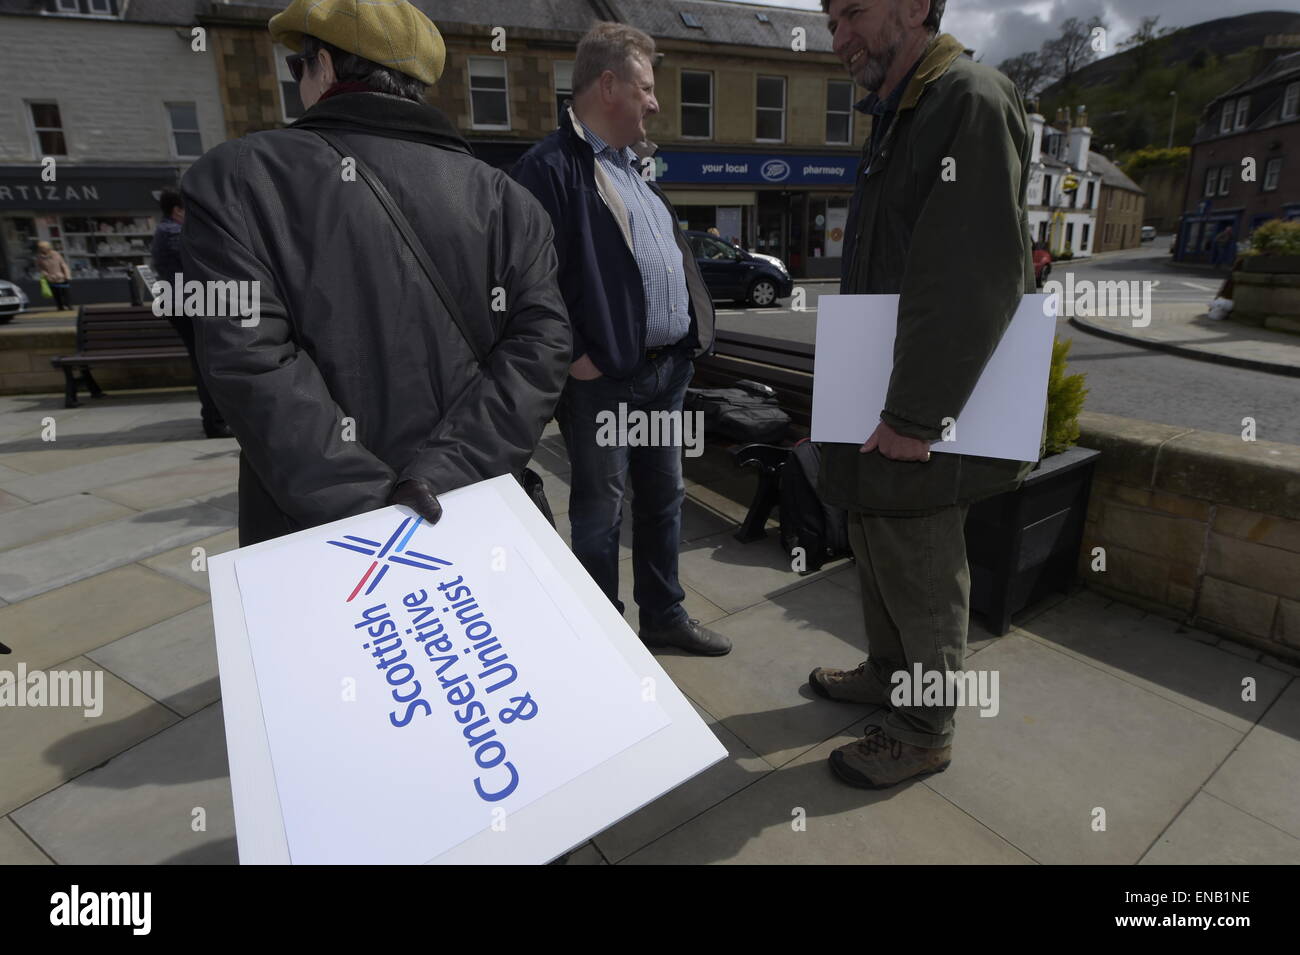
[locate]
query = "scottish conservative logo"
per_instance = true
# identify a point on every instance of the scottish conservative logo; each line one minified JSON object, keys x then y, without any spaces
{"x":395,"y":550}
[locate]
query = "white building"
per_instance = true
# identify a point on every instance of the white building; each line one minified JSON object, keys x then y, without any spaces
{"x":1058,"y":215}
{"x":111,"y":99}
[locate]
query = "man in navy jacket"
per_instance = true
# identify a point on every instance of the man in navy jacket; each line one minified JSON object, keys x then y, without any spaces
{"x":640,"y":313}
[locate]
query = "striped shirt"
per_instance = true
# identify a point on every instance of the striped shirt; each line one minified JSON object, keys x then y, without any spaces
{"x":654,"y":244}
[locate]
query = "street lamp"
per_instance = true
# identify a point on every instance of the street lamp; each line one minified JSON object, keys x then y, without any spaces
{"x":1172,"y":117}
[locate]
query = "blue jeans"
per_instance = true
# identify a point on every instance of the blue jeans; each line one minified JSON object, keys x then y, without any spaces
{"x":600,"y":472}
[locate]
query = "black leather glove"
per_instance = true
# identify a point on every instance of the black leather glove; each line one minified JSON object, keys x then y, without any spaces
{"x":419,"y":497}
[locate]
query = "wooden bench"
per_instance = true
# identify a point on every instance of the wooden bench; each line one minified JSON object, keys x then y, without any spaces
{"x":788,"y":368}
{"x":116,"y":335}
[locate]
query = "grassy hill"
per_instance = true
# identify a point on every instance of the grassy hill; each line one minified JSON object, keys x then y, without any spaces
{"x":1127,"y":94}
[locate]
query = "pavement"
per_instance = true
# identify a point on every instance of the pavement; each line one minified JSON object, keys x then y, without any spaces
{"x":1121,"y":737}
{"x":1187,"y":330}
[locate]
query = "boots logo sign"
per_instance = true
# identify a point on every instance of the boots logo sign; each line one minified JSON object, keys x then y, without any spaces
{"x":384,"y":555}
{"x":776,"y":170}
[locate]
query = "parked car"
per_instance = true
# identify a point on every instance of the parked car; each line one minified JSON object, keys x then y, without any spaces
{"x":736,"y":275}
{"x":12,"y":301}
{"x":1148,"y":233}
{"x":1042,"y":263}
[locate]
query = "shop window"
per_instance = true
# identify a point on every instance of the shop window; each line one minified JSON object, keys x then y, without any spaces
{"x":290,"y":102}
{"x":563,"y":87}
{"x":489,"y":104}
{"x":186,"y":140}
{"x":47,"y":124}
{"x":839,"y":112}
{"x":769,"y":121}
{"x":697,"y":105}
{"x":1272,"y":174}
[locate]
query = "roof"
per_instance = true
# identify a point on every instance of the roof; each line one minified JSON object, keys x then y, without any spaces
{"x":1285,"y":67}
{"x":1111,"y":174}
{"x":727,"y":23}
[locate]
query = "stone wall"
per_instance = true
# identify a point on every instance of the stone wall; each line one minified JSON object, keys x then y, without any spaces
{"x":1266,"y":292}
{"x":1201,"y":527}
{"x":25,"y":367}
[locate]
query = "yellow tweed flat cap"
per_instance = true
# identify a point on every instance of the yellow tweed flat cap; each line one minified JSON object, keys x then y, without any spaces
{"x":392,"y":33}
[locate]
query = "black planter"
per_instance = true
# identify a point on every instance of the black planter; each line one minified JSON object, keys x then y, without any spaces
{"x":1024,"y":544}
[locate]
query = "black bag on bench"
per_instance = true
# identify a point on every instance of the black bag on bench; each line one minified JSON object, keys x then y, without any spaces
{"x":747,"y":413}
{"x":822,"y":531}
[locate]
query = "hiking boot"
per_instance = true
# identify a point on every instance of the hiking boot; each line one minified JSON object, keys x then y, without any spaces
{"x":689,"y":636}
{"x":878,"y":761}
{"x":848,"y":686}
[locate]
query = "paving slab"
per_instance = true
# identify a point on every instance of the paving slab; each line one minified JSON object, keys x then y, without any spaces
{"x":17,"y":849}
{"x":696,"y":606}
{"x":200,"y":477}
{"x":61,"y":624}
{"x":741,"y":768}
{"x":1263,"y":776}
{"x":759,"y":691}
{"x":43,"y":566}
{"x":1211,"y":832}
{"x":140,"y":808}
{"x":1148,"y":651}
{"x":38,"y":458}
{"x":586,"y":854}
{"x":38,"y":522}
{"x":94,"y":468}
{"x":735,"y":575}
{"x":175,"y":661}
{"x":179,"y":563}
{"x":840,"y":825}
{"x":42,"y":747}
{"x":1070,"y":738}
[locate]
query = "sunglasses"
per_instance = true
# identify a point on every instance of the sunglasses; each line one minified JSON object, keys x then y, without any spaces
{"x":296,"y":63}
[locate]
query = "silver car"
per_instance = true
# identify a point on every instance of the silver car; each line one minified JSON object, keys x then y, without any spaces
{"x":12,"y":301}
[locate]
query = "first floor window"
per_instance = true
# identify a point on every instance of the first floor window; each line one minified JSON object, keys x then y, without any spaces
{"x":839,"y":112}
{"x":697,"y":105}
{"x":48,"y":126}
{"x":1211,"y":182}
{"x":184,"y":118}
{"x":290,"y":102}
{"x":489,"y":105}
{"x":1272,"y":173}
{"x":563,"y":87}
{"x":1083,"y":242}
{"x":1225,"y":178}
{"x":769,"y":122}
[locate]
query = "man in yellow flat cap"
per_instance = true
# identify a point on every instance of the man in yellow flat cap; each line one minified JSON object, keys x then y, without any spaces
{"x":378,"y":370}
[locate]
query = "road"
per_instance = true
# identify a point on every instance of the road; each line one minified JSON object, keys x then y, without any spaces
{"x":1123,"y":379}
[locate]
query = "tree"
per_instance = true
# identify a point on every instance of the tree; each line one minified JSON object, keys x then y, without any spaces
{"x":1073,"y":49}
{"x":1145,"y":44}
{"x":1027,"y":71}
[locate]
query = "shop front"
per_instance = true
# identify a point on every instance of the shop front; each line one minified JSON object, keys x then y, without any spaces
{"x":101,"y":218}
{"x":789,"y":205}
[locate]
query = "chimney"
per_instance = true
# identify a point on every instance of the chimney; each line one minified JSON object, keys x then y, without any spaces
{"x":1036,"y":122}
{"x":1080,"y":142}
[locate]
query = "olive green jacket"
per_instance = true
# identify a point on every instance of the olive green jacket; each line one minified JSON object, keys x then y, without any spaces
{"x":941,"y":223}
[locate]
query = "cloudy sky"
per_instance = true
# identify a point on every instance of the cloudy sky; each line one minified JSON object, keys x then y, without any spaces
{"x":997,"y":29}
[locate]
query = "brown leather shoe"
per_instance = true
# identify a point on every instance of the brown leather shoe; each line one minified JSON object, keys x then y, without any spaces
{"x":858,"y":685}
{"x":878,"y":761}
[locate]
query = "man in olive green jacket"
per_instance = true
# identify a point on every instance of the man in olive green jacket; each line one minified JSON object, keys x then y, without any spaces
{"x":938,"y":217}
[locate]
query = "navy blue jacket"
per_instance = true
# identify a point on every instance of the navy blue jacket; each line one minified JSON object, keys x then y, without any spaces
{"x":166,"y":249}
{"x":598,"y":274}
